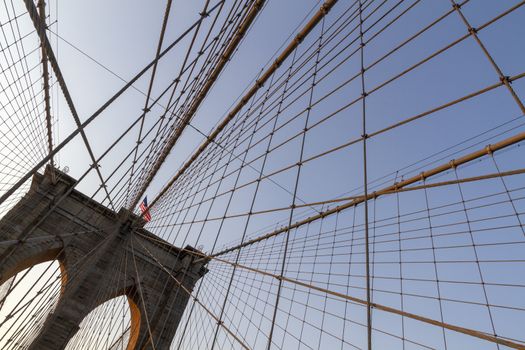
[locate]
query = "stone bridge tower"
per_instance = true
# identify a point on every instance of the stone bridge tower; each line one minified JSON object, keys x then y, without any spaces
{"x":102,"y":255}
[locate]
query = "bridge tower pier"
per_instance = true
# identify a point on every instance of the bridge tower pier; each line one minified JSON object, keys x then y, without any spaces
{"x":102,"y":255}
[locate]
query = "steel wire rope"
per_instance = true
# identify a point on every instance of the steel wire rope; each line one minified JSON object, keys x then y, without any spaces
{"x":295,"y":136}
{"x":94,"y":319}
{"x":227,"y":136}
{"x":189,"y":293}
{"x":253,"y":197}
{"x":147,"y":108}
{"x":174,"y":104}
{"x":227,"y":129}
{"x":296,"y":183}
{"x":259,"y":157}
{"x":20,"y":90}
{"x":171,"y":306}
{"x":97,"y":113}
{"x":198,"y":131}
{"x":113,"y":143}
{"x":21,"y":52}
{"x":466,"y":331}
{"x":429,"y":173}
{"x":72,"y":274}
{"x":229,"y":49}
{"x":31,"y":142}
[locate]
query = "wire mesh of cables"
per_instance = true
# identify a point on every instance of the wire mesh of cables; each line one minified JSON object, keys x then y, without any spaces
{"x":22,"y":100}
{"x":263,"y":195}
{"x":366,"y":192}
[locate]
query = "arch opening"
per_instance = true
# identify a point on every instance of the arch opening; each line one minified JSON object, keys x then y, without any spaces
{"x":26,"y":299}
{"x":113,"y":325}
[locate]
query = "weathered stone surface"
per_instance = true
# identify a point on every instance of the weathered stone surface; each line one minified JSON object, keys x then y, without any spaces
{"x":95,"y":247}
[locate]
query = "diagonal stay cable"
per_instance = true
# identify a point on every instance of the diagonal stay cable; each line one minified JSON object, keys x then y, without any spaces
{"x":258,"y":84}
{"x":99,"y":111}
{"x":55,"y":205}
{"x":349,"y":198}
{"x":155,"y":102}
{"x":45,"y":74}
{"x":186,"y":290}
{"x":231,"y":48}
{"x":46,"y":46}
{"x":463,"y":330}
{"x":489,"y":149}
{"x":141,"y":294}
{"x":147,"y":107}
{"x":194,"y":84}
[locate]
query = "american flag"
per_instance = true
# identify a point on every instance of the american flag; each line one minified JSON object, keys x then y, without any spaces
{"x":144,"y":209}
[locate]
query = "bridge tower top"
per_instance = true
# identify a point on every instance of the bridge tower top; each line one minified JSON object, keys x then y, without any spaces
{"x":103,"y":254}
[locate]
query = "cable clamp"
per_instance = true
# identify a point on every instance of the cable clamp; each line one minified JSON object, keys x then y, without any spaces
{"x":422,"y":176}
{"x":453,"y":164}
{"x":505,"y":79}
{"x":456,"y":6}
{"x":472,"y":30}
{"x":489,"y":149}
